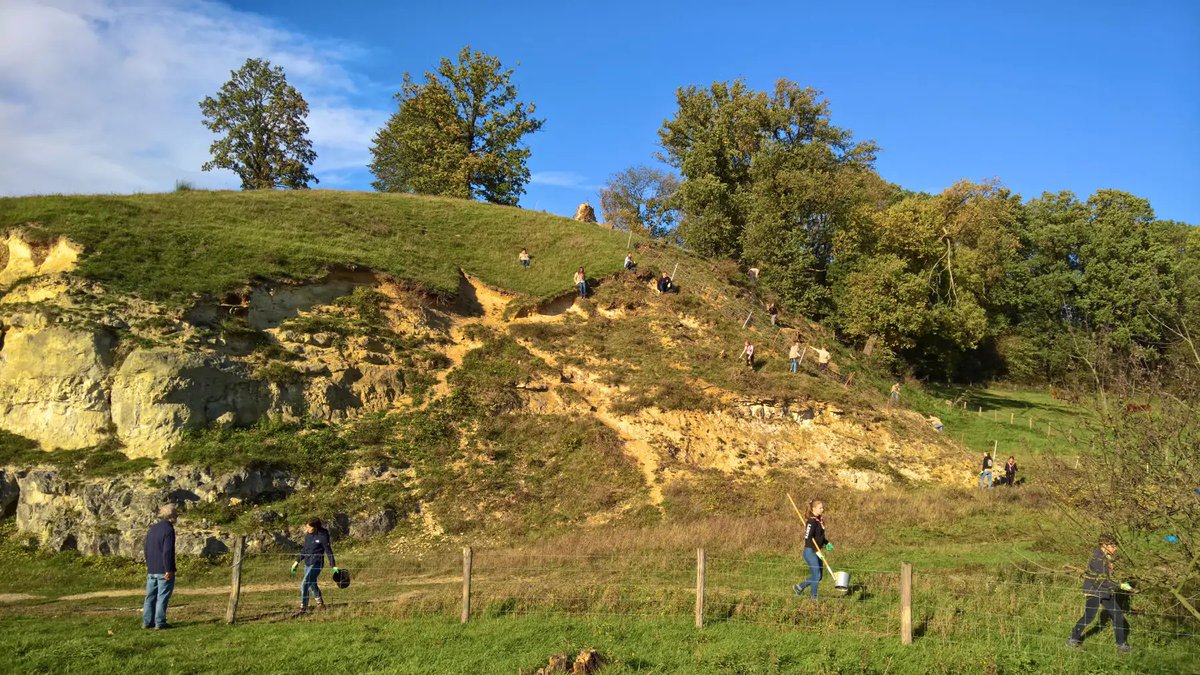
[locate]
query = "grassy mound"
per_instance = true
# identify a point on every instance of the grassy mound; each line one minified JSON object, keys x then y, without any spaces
{"x":171,"y":247}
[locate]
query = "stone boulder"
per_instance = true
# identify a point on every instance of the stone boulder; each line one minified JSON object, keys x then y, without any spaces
{"x":585,"y":213}
{"x":159,"y":393}
{"x":54,"y":382}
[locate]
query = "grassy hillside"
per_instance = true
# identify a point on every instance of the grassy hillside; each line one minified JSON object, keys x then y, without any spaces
{"x":176,"y":245}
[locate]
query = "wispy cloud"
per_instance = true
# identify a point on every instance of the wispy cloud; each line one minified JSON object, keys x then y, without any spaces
{"x":101,"y":95}
{"x":562,"y":179}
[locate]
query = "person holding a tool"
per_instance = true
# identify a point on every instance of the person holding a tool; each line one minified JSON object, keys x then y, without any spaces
{"x":1100,"y":590}
{"x":814,"y":545}
{"x":316,"y":546}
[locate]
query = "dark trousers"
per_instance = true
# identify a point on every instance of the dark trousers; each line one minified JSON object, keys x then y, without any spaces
{"x":1092,"y":607}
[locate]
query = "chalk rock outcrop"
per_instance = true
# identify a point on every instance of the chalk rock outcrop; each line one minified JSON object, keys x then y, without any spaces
{"x":585,"y":213}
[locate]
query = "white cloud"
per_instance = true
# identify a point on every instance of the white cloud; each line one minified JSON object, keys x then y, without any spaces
{"x":102,"y":95}
{"x":563,"y":179}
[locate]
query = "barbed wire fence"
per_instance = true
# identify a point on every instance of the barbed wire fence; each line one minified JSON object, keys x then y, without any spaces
{"x":1012,"y":607}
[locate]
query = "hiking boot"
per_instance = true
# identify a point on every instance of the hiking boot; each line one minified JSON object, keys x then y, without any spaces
{"x":1073,"y":643}
{"x":164,"y":626}
{"x":797,"y":589}
{"x":1124,"y":649}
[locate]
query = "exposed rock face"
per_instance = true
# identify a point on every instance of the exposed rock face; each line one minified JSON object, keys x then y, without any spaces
{"x":160,"y":393}
{"x":585,"y":213}
{"x":21,"y":258}
{"x":54,"y":382}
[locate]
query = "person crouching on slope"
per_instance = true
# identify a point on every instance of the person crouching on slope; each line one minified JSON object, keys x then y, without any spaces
{"x":316,"y":546}
{"x":1101,"y":591}
{"x":814,"y":542}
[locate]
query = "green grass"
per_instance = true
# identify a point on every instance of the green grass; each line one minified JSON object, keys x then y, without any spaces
{"x":1015,"y":419}
{"x":174,"y":246}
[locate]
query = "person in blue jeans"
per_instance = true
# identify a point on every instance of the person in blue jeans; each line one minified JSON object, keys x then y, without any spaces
{"x":985,"y":470}
{"x":316,"y":547}
{"x":814,"y":543}
{"x":159,"y":550}
{"x":581,"y":282}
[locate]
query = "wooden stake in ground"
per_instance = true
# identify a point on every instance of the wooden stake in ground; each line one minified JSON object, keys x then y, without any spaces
{"x":700,"y":587}
{"x":905,"y":603}
{"x":235,"y":590}
{"x":466,"y":589}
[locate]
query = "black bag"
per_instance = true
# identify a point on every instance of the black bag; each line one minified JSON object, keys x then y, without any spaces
{"x":341,"y":578}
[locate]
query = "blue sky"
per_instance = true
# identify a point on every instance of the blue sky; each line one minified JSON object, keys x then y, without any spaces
{"x":1044,"y":96}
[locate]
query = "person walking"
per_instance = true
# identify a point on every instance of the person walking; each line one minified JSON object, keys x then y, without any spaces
{"x":1100,"y":590}
{"x":814,"y":545}
{"x":1010,"y":471}
{"x":894,"y":397}
{"x":524,"y":258}
{"x":316,"y":547}
{"x":748,"y":353}
{"x":581,"y":282}
{"x":985,"y":470}
{"x":794,"y":355}
{"x":159,"y":550}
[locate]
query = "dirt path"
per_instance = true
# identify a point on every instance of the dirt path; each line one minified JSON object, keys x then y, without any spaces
{"x":224,"y":590}
{"x":9,"y":598}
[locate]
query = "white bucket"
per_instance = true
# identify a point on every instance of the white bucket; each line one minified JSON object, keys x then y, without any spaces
{"x":841,"y":581}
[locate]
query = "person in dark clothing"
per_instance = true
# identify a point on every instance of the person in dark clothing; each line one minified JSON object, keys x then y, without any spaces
{"x":773,"y":312}
{"x":665,"y":284}
{"x":1010,"y":471}
{"x":814,"y":543}
{"x":1100,"y":590}
{"x":159,"y":550}
{"x":316,"y":547}
{"x":985,"y":470}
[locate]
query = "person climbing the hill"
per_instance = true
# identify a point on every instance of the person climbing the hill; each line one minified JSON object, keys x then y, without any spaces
{"x":822,"y":358}
{"x":936,"y":423}
{"x":985,"y":470}
{"x":665,"y":284}
{"x":773,"y":311}
{"x":581,"y":282}
{"x":794,"y":355}
{"x":1100,"y":590}
{"x":814,"y":545}
{"x":748,"y":353}
{"x":524,"y":258}
{"x":316,"y":547}
{"x":753,"y":274}
{"x":894,"y":397}
{"x":1010,"y":471}
{"x":630,"y":265}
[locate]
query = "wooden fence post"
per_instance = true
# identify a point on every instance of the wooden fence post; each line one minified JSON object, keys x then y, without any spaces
{"x":700,"y":587}
{"x":1012,"y":417}
{"x":466,"y":600}
{"x":1030,"y":422}
{"x":235,"y":588}
{"x":1047,"y":429}
{"x":747,"y":321}
{"x":905,"y":603}
{"x":980,"y":412}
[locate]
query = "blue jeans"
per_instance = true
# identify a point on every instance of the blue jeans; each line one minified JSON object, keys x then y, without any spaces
{"x":988,"y":476}
{"x":814,"y":573}
{"x":158,"y":594}
{"x":582,"y":286}
{"x":308,"y":584}
{"x":795,"y":365}
{"x":525,"y":263}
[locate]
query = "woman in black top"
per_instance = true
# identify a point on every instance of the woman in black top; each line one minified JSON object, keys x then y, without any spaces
{"x":316,"y":547}
{"x":1010,"y":471}
{"x":814,"y":542}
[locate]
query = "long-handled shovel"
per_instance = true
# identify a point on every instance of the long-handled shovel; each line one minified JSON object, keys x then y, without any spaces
{"x":814,"y":541}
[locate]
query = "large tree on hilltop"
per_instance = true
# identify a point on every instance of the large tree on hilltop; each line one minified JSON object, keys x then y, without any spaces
{"x":640,"y":199}
{"x":264,"y":138}
{"x":458,"y":133}
{"x":768,"y":179}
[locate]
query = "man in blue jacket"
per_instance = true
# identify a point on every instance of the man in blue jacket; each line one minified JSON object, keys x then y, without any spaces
{"x":160,"y":569}
{"x":1100,"y":589}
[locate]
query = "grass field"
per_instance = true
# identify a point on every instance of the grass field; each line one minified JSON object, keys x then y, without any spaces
{"x":174,"y":246}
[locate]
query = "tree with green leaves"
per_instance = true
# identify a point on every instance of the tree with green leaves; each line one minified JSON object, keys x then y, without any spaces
{"x":768,"y":179}
{"x":640,"y":199}
{"x":457,"y":133}
{"x":264,"y":138}
{"x":922,"y":274}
